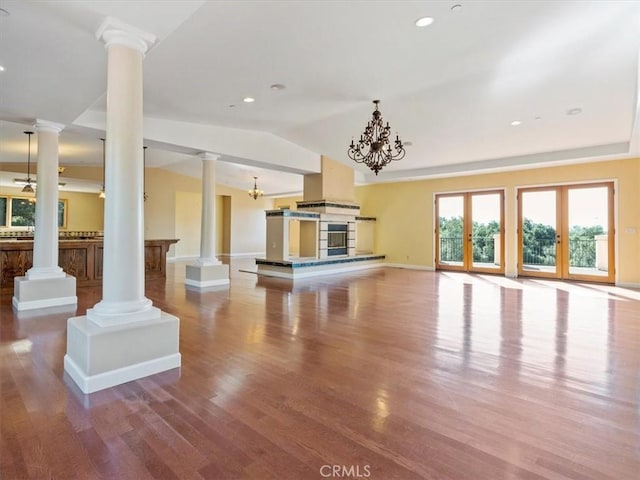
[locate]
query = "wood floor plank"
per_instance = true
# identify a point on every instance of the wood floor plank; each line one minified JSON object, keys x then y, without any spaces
{"x":411,"y":374}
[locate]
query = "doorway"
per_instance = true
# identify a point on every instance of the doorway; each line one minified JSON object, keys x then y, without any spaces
{"x":470,"y":231}
{"x":566,"y":232}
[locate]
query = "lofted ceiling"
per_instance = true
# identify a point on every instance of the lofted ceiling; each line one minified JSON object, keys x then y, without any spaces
{"x":566,"y":70}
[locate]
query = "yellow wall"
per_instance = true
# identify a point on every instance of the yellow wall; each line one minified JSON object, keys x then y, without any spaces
{"x":294,"y":224}
{"x":335,"y":182}
{"x":312,"y":186}
{"x":172,"y":210}
{"x":405,"y":210}
{"x":84,"y":210}
{"x":187,"y":223}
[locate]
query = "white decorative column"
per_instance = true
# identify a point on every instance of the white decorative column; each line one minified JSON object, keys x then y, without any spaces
{"x":208,"y":271}
{"x":45,"y":283}
{"x":124,"y":337}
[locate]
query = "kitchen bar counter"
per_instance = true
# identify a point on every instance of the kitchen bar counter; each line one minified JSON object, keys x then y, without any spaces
{"x":81,"y":258}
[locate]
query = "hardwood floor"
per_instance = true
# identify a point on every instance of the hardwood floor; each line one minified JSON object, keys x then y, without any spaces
{"x":382,"y":374}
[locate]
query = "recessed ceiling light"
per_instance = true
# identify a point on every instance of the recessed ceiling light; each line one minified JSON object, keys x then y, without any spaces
{"x":2,"y":69}
{"x":456,"y":8}
{"x":4,"y":13}
{"x":515,"y":123}
{"x":538,"y":118}
{"x":277,"y":86}
{"x":424,"y":21}
{"x":574,"y":111}
{"x":231,"y":106}
{"x":248,"y":99}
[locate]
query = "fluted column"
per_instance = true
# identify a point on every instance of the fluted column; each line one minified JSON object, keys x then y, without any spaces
{"x":123,"y":258}
{"x":208,"y":221}
{"x":124,"y":337}
{"x":45,"y":242}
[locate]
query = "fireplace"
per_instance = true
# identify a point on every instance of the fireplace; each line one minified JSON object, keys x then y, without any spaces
{"x":336,"y":239}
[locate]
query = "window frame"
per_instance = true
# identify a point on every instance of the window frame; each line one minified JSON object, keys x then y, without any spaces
{"x":9,"y":213}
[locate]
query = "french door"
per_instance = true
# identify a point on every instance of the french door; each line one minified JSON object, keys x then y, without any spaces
{"x":470,"y":231}
{"x":566,"y":232}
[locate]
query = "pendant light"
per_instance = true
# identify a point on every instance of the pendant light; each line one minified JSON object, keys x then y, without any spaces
{"x":28,"y":188}
{"x":255,"y":192}
{"x":102,"y":194}
{"x":144,"y":169}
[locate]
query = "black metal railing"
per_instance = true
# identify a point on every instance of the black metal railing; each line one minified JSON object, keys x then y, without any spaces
{"x":451,"y":249}
{"x":483,"y":249}
{"x":542,"y":251}
{"x":582,"y":252}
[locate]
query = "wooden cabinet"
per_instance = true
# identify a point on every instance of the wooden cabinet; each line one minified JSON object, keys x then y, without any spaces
{"x":80,"y":258}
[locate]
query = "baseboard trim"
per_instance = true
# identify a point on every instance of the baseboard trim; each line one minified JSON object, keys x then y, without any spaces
{"x":94,"y":383}
{"x":628,"y":285}
{"x":410,"y":267}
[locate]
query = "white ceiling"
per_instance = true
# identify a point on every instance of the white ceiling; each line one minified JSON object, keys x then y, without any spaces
{"x":452,"y":88}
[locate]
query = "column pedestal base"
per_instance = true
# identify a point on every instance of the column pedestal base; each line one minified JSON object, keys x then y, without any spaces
{"x":203,"y":276}
{"x":102,"y":357}
{"x":44,"y":292}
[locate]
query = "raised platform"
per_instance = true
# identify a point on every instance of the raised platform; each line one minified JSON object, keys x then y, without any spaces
{"x":309,"y":267}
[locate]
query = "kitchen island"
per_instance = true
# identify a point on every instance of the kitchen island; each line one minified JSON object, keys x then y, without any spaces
{"x":81,"y":258}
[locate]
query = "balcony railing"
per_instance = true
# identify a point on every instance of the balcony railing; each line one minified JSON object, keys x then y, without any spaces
{"x":483,"y":249}
{"x":451,"y":249}
{"x":541,"y":251}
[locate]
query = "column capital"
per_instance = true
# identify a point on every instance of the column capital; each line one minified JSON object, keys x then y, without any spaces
{"x":208,"y":156}
{"x":116,"y":32}
{"x":47,"y":126}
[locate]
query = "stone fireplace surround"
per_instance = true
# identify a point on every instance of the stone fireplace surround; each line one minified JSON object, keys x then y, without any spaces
{"x":336,"y":211}
{"x":318,"y":219}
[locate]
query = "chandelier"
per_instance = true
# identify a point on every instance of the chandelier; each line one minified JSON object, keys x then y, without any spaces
{"x":374,"y":148}
{"x":28,"y":188}
{"x":255,"y":192}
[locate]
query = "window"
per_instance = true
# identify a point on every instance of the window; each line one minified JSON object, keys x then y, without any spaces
{"x":23,"y":212}
{"x":3,"y":211}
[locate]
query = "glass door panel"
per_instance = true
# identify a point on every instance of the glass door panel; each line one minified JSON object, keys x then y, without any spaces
{"x":486,"y":228}
{"x":567,"y":232}
{"x":588,"y":231}
{"x":450,"y":234}
{"x":539,"y":233}
{"x":469,"y":233}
